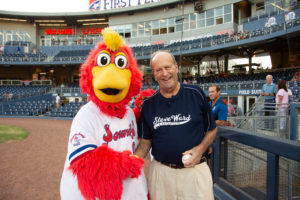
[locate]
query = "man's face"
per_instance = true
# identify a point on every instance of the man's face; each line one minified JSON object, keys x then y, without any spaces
{"x":269,"y":80}
{"x":213,"y":94}
{"x":165,"y":71}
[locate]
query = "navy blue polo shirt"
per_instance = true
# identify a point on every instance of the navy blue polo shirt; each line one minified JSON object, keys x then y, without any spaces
{"x":219,"y":110}
{"x":175,"y":124}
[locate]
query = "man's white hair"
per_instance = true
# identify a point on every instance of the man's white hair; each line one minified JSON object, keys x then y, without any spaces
{"x":269,"y":75}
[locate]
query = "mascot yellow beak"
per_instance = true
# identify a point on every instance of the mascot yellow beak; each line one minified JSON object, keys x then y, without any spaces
{"x":111,"y":81}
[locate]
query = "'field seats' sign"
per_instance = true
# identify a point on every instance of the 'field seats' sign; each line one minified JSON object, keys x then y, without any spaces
{"x":111,"y":4}
{"x":245,"y":92}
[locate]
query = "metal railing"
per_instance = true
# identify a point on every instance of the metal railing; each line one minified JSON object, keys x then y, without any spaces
{"x":247,"y":165}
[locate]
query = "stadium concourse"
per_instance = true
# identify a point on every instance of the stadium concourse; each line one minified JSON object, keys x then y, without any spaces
{"x":40,"y":57}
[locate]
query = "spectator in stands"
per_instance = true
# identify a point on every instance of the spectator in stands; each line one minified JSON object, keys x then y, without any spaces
{"x":290,"y":95}
{"x":194,"y":81}
{"x":62,"y":100}
{"x":231,"y":108}
{"x":246,"y":34}
{"x":5,"y":95}
{"x":176,"y":121}
{"x":219,"y":108}
{"x":52,"y":42}
{"x":282,"y":100}
{"x":267,"y":23}
{"x":238,"y":111}
{"x":58,"y":42}
{"x":57,"y":101}
{"x":269,"y":91}
{"x":1,"y":49}
{"x":65,"y":41}
{"x":18,"y":50}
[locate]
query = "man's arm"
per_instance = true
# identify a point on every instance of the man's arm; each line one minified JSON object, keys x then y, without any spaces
{"x":222,"y":115}
{"x":221,"y":122}
{"x":267,"y":94}
{"x":199,"y":150}
{"x":143,"y":148}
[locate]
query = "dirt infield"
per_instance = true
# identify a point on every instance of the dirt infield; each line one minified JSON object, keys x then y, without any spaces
{"x":31,"y":169}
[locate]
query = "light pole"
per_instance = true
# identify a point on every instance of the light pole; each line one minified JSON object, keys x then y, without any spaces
{"x":181,"y":38}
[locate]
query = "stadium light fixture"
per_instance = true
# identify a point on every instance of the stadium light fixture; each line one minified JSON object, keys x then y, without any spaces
{"x":47,"y":20}
{"x":90,"y":20}
{"x":98,"y":23}
{"x":16,"y":20}
{"x":52,"y":24}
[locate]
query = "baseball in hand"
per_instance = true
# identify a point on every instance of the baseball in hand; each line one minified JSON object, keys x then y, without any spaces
{"x":185,"y":158}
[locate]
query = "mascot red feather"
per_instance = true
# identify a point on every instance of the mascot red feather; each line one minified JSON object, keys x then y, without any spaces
{"x":103,"y":136}
{"x":139,"y":101}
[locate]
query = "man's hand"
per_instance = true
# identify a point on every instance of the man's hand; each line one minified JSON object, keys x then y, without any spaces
{"x":195,"y":158}
{"x":198,"y":151}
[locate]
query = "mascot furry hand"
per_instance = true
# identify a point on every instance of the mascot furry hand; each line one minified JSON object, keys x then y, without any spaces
{"x":99,"y":163}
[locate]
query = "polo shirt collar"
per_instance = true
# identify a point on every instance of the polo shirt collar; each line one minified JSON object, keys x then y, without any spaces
{"x":179,"y":93}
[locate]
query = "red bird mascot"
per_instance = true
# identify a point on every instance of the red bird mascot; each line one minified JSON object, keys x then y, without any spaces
{"x":103,"y":136}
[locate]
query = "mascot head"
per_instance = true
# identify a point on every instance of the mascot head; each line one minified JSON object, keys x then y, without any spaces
{"x":110,"y":75}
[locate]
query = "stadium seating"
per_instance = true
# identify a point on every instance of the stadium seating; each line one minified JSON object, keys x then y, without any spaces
{"x":32,"y":106}
{"x":23,"y":57}
{"x":16,"y":92}
{"x":69,"y":110}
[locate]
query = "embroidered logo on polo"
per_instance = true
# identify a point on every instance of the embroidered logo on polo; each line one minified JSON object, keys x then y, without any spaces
{"x":173,"y":120}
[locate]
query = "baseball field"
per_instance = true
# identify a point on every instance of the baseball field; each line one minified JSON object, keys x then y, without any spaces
{"x":31,"y":169}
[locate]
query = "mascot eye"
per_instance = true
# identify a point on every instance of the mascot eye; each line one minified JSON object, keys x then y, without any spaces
{"x":121,"y":61}
{"x":103,"y":59}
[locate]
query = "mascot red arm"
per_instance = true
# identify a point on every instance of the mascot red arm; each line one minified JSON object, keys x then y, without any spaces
{"x":103,"y":136}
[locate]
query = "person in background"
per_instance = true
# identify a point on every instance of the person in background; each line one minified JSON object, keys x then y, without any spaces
{"x":268,"y":92}
{"x":282,"y":100}
{"x":290,"y":95}
{"x":219,"y":108}
{"x":62,"y":100}
{"x":57,"y":100}
{"x":5,"y":96}
{"x":178,"y":124}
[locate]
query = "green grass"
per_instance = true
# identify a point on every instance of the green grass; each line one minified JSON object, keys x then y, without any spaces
{"x":12,"y":133}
